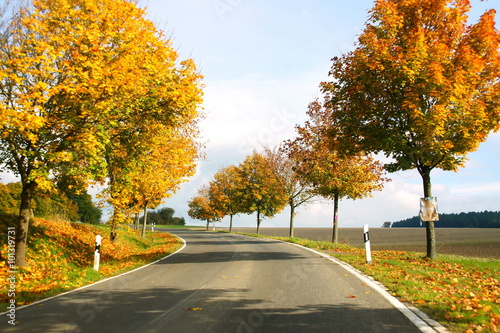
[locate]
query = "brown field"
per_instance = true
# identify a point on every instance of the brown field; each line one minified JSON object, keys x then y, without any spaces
{"x":481,"y":243}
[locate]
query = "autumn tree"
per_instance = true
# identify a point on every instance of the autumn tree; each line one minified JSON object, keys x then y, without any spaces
{"x":322,"y":167}
{"x":260,"y":188}
{"x":296,"y":191}
{"x":71,"y":74}
{"x":225,"y":194}
{"x":149,"y":169}
{"x":201,"y":208}
{"x":422,"y":86}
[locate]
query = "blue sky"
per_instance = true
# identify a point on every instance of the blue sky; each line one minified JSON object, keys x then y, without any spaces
{"x":263,"y":62}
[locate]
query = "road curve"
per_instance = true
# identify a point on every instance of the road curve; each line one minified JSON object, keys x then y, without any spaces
{"x":222,"y":283}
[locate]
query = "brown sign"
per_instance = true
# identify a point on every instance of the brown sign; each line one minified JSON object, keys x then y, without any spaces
{"x":428,"y":209}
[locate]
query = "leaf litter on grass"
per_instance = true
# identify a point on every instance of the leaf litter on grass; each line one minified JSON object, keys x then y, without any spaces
{"x":60,"y":257}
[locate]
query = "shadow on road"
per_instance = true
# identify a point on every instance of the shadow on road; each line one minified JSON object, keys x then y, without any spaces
{"x":222,"y":256}
{"x":215,"y":310}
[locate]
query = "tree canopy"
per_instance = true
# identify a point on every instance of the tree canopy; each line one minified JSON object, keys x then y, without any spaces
{"x":202,"y":208}
{"x":329,"y":173}
{"x":78,"y":77}
{"x":224,"y":193}
{"x":422,"y":86}
{"x":261,"y":187}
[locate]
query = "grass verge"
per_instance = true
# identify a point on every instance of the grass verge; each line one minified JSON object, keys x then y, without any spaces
{"x":60,"y":257}
{"x":461,"y":293}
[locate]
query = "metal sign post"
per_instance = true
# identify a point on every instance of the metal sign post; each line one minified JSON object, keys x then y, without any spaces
{"x":366,"y":236}
{"x":97,"y":251}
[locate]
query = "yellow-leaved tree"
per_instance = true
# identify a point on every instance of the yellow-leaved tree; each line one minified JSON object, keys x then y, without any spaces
{"x":152,"y":169}
{"x":73,"y":72}
{"x":224,"y":192}
{"x":260,"y":187}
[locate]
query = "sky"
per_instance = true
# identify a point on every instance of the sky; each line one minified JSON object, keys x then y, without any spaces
{"x":263,"y":61}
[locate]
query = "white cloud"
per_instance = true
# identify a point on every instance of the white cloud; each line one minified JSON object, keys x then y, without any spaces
{"x":477,"y":189}
{"x":8,"y":177}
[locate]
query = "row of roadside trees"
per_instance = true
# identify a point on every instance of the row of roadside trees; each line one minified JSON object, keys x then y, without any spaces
{"x":92,"y":92}
{"x":422,"y":87}
{"x":297,"y":172}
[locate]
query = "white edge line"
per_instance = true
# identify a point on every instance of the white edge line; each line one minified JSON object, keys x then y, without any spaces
{"x":417,"y":317}
{"x":100,"y":281}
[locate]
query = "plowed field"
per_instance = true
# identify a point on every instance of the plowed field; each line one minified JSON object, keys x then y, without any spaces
{"x":481,"y":243}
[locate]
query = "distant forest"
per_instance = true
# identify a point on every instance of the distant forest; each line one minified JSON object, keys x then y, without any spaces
{"x":484,"y":219}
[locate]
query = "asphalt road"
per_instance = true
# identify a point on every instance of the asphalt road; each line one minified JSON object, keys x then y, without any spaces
{"x":222,"y":283}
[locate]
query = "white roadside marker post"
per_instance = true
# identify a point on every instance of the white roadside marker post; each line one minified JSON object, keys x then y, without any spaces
{"x":97,"y":252}
{"x":366,"y":236}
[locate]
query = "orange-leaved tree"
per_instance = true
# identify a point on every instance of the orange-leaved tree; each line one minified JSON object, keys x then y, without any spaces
{"x":422,"y":86}
{"x":202,"y":208}
{"x":71,"y":72}
{"x":322,"y":167}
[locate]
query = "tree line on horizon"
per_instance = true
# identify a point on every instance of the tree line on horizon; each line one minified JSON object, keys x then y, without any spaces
{"x":485,"y":219}
{"x":163,"y":216}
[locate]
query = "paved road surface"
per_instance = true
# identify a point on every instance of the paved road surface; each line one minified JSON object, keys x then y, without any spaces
{"x":222,"y":283}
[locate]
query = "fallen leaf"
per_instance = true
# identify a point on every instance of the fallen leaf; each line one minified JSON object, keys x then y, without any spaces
{"x":352,"y":296}
{"x":193,"y":309}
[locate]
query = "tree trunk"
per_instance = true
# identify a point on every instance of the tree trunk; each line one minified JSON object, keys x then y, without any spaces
{"x":137,"y":220}
{"x":292,"y":213}
{"x":429,"y":225}
{"x":208,"y":223}
{"x":23,"y":223}
{"x":230,"y":222}
{"x":145,"y":219}
{"x":258,"y":221}
{"x":113,"y":233}
{"x":335,"y":236}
